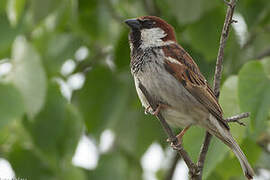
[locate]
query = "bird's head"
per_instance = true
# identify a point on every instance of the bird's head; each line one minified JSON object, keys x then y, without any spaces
{"x":149,"y":31}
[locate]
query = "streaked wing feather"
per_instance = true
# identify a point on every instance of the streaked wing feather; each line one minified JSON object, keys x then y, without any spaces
{"x":187,"y":72}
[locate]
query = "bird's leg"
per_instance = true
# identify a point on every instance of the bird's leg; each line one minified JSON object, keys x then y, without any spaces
{"x":150,"y":110}
{"x":179,"y":138}
{"x":160,"y":106}
{"x":181,"y":134}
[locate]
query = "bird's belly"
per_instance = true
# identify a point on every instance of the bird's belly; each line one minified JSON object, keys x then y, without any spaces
{"x":164,"y":88}
{"x":177,"y":118}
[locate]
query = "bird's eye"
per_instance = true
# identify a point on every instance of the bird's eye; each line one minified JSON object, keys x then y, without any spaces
{"x":148,"y":24}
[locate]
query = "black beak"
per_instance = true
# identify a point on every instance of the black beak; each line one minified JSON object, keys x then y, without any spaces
{"x":133,"y":23}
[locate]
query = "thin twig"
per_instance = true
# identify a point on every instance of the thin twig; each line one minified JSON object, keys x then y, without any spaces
{"x":223,"y":40}
{"x":191,"y":166}
{"x":203,"y":152}
{"x":217,"y":77}
{"x":171,"y":170}
{"x":236,"y":118}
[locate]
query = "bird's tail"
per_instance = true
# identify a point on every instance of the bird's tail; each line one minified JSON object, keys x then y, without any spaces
{"x":224,"y":134}
{"x":247,"y":169}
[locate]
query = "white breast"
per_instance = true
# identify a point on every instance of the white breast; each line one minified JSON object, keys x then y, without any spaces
{"x":163,"y":87}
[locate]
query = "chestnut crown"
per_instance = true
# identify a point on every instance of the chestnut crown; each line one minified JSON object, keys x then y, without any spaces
{"x":148,"y":31}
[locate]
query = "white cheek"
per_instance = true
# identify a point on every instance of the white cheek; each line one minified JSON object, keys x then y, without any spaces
{"x":152,"y":37}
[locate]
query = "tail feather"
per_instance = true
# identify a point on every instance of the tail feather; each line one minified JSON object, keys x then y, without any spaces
{"x":224,"y":134}
{"x":247,"y":169}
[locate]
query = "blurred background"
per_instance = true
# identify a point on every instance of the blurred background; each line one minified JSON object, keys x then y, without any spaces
{"x":68,"y":106}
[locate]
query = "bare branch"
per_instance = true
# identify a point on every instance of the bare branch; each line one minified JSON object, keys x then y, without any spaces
{"x":217,"y":77}
{"x":203,"y":152}
{"x":227,"y":3}
{"x":191,"y":166}
{"x":234,"y":21}
{"x":223,"y":40}
{"x":170,"y":172}
{"x":236,"y":118}
{"x":208,"y":137}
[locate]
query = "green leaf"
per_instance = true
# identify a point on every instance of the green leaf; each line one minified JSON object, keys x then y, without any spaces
{"x":204,"y":35}
{"x":95,"y":28}
{"x":7,"y":35}
{"x":56,"y":130}
{"x":122,"y":50}
{"x":14,"y":10}
{"x":105,"y":171}
{"x":230,"y":104}
{"x":71,"y":131}
{"x":253,"y":11}
{"x":57,"y":50}
{"x":216,"y":153}
{"x":231,"y":163}
{"x":11,"y":104}
{"x":214,"y":176}
{"x":100,"y":99}
{"x":266,"y":65}
{"x":27,"y":164}
{"x":71,"y":172}
{"x":192,"y":142}
{"x":3,"y":6}
{"x":117,"y":166}
{"x":28,"y":76}
{"x":260,"y":44}
{"x":253,"y":91}
{"x":135,"y":132}
{"x":232,"y":52}
{"x":195,"y":135}
{"x":182,"y":9}
{"x":40,"y":9}
{"x":218,"y":150}
{"x":264,"y":161}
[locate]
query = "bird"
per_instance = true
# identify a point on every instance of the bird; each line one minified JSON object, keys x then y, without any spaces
{"x":173,"y":80}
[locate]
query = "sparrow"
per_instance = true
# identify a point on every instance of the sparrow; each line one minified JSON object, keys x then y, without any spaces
{"x":174,"y":81}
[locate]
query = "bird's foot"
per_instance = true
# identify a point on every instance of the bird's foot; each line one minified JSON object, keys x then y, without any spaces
{"x":177,"y":142}
{"x":159,"y":108}
{"x":148,"y":110}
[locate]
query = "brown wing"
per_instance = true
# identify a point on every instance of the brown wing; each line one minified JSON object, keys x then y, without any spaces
{"x":185,"y":70}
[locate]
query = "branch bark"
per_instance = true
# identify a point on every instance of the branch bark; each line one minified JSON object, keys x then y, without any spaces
{"x":236,"y":118}
{"x":171,"y":170}
{"x":223,"y":40}
{"x":217,"y":77}
{"x":191,"y":166}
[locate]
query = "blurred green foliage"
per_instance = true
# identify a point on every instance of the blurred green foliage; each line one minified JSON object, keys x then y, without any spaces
{"x":40,"y":128}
